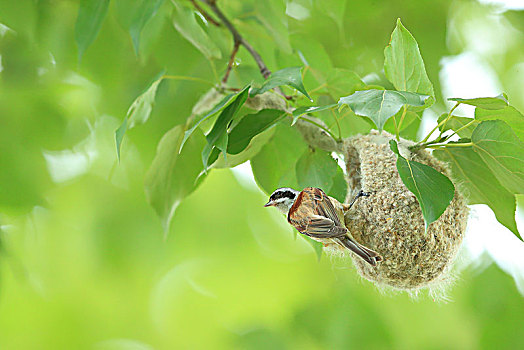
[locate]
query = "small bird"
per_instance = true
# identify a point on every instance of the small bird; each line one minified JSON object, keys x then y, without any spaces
{"x":320,"y":217}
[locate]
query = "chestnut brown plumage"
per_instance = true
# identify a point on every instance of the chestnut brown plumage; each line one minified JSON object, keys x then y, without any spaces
{"x":320,"y":217}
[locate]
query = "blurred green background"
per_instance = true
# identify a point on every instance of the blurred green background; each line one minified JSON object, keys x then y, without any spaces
{"x":84,"y":262}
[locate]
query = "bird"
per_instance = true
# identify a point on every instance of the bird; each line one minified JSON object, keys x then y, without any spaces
{"x":320,"y":217}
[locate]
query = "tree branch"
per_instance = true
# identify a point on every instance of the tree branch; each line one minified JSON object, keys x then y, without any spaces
{"x":205,"y":14}
{"x":237,"y":37}
{"x":231,"y":61}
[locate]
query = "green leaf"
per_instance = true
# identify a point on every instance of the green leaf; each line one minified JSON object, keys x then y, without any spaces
{"x":287,"y":76}
{"x":274,"y":165}
{"x":141,"y":108}
{"x":272,"y":14}
{"x":491,"y":103}
{"x":143,"y":14}
{"x":340,"y":186}
{"x":222,"y":142}
{"x":508,"y":114}
{"x":299,"y":9}
{"x":311,"y":109}
{"x":213,"y":156}
{"x":91,"y":14}
{"x":252,"y":149}
{"x":316,"y":168}
{"x":380,"y":105}
{"x":433,"y":190}
{"x":502,"y":151}
{"x":219,"y":107}
{"x":403,"y":64}
{"x":250,"y":126}
{"x":119,"y":136}
{"x":341,"y":82}
{"x":335,"y":10}
{"x":207,"y":101}
{"x":218,"y":137}
{"x":139,"y":111}
{"x":352,"y":124}
{"x":210,"y":155}
{"x":312,"y":54}
{"x":465,"y":125}
{"x":185,"y":22}
{"x":172,"y":175}
{"x":479,"y":183}
{"x":409,"y":127}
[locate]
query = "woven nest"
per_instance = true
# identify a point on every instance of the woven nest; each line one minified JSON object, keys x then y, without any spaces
{"x":390,"y":221}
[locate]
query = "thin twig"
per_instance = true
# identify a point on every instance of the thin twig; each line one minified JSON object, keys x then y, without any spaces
{"x":441,"y":123}
{"x":448,"y":118}
{"x":464,"y":127}
{"x":338,"y":124}
{"x":396,"y":128}
{"x":205,"y":14}
{"x":401,"y":121}
{"x":181,"y":77}
{"x":448,"y":145}
{"x":231,"y":61}
{"x":239,"y":38}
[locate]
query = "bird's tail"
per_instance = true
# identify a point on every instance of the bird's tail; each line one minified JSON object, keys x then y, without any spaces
{"x":370,"y":256}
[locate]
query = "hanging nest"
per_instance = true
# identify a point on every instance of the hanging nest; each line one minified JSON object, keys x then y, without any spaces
{"x":390,"y":220}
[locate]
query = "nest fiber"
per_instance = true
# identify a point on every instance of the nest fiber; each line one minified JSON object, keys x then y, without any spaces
{"x":390,"y":220}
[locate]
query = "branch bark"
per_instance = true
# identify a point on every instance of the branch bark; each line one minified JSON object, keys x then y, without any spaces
{"x":204,"y":13}
{"x":237,"y":37}
{"x":231,"y":61}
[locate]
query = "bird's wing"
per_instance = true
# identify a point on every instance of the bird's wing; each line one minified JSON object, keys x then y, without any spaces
{"x":314,"y":215}
{"x":325,"y":207}
{"x":322,"y":227}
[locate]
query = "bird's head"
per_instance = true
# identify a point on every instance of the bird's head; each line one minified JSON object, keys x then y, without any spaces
{"x":282,"y":199}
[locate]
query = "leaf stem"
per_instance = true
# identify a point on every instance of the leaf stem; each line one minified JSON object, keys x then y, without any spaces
{"x":338,"y":124}
{"x":401,"y":121}
{"x":446,"y":145}
{"x":236,"y":45}
{"x":448,"y":117}
{"x":463,"y":127}
{"x":441,"y":123}
{"x":181,"y":77}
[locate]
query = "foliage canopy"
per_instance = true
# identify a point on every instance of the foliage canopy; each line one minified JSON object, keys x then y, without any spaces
{"x":82,"y":258}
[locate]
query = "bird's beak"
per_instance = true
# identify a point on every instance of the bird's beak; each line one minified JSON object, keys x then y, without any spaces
{"x":269,"y":204}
